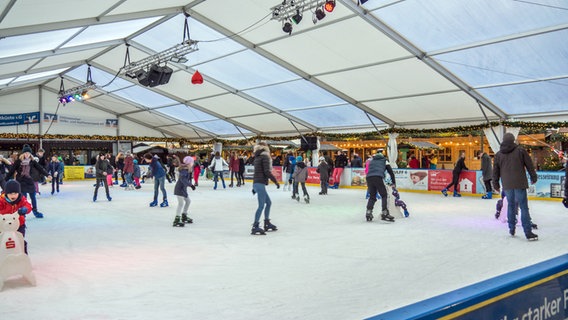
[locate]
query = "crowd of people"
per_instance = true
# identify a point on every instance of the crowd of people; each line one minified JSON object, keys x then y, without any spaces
{"x":21,"y":174}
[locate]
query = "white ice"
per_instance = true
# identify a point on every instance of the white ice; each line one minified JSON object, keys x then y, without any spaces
{"x":124,"y":260}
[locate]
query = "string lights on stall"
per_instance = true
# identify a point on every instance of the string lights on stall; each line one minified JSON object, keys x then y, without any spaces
{"x":291,"y":12}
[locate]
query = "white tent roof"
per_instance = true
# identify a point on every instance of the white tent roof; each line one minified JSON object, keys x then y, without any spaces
{"x":412,"y":64}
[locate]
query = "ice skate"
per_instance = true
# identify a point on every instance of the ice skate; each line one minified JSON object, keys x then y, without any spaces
{"x":386,"y":216}
{"x":456,"y":194}
{"x":164,"y":204}
{"x":293,"y":197}
{"x":153,"y":203}
{"x":306,"y":199}
{"x":185,"y":218}
{"x":269,"y":226}
{"x":369,"y":215}
{"x":256,"y":230}
{"x":531,"y":236}
{"x":109,"y":198}
{"x":512,"y":232}
{"x":178,"y":222}
{"x":488,"y":195}
{"x":445,"y":192}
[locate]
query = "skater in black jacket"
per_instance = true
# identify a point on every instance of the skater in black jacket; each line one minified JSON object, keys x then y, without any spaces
{"x":460,"y":165}
{"x":375,"y":182}
{"x":262,"y":173}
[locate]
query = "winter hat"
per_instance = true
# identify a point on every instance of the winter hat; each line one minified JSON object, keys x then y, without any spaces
{"x":299,"y":158}
{"x":321,"y":159}
{"x":188,"y":160}
{"x":12,"y":186}
{"x":380,"y":150}
{"x":508,"y":137}
{"x":135,"y":161}
{"x":27,"y":149}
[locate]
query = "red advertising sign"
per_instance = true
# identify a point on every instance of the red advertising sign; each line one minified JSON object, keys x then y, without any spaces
{"x":439,"y":179}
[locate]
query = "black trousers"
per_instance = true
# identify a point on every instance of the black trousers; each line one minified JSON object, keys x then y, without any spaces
{"x":376,"y":184}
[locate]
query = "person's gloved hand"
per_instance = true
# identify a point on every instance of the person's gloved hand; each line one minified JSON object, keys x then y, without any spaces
{"x":22,"y":211}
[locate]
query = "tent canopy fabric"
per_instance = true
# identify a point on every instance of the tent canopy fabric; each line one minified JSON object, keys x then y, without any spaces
{"x":375,"y":65}
{"x":424,"y":145}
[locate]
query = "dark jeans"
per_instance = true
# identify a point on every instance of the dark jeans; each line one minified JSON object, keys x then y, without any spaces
{"x":455,"y":180}
{"x":99,"y":182}
{"x":375,"y":184}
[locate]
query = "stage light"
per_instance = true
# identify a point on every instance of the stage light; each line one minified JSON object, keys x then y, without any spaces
{"x":362,"y":1}
{"x":329,"y":5}
{"x":78,"y":93}
{"x":292,"y":11}
{"x":287,"y":27}
{"x":297,"y":17}
{"x":320,"y":14}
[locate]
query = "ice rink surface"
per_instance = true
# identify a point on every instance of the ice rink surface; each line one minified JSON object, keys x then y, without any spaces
{"x":124,"y":260}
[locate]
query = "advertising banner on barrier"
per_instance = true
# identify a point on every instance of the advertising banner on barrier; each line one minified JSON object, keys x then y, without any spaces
{"x":358,"y":177}
{"x":540,"y":300}
{"x":19,"y":118}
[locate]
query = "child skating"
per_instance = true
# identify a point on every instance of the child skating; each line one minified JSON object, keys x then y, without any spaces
{"x":300,"y":176}
{"x":180,"y":191}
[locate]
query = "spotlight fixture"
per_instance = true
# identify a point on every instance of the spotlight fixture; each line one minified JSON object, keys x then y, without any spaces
{"x":320,"y":14}
{"x":329,"y":5}
{"x":78,"y":93}
{"x":293,"y":10}
{"x":287,"y":27}
{"x":297,"y":17}
{"x":362,"y":1}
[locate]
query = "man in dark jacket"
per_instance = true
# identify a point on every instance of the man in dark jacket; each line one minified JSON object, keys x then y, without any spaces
{"x":375,"y":182}
{"x":509,"y":167}
{"x":460,"y":165}
{"x":487,"y":174}
{"x":262,"y":173}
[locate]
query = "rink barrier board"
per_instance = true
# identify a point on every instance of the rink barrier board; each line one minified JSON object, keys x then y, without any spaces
{"x":539,"y":292}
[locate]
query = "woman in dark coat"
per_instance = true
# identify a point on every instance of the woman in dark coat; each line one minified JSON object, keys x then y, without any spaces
{"x":23,"y":168}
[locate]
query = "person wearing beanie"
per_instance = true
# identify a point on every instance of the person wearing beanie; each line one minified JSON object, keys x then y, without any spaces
{"x":12,"y":200}
{"x":24,"y":168}
{"x":375,"y":182}
{"x":300,"y":176}
{"x":289,"y":167}
{"x":101,"y":172}
{"x":510,"y":165}
{"x":262,"y":173}
{"x":323,"y":170}
{"x":185,"y":169}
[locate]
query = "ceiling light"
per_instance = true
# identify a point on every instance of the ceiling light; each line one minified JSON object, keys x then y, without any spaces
{"x":287,"y":27}
{"x":320,"y":14}
{"x":297,"y":17}
{"x":78,"y":93}
{"x":329,"y":5}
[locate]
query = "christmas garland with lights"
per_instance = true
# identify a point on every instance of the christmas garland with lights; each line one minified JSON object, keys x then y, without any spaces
{"x":526,"y":128}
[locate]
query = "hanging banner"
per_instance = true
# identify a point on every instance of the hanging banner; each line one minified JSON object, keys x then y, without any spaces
{"x":19,"y":118}
{"x":59,"y":119}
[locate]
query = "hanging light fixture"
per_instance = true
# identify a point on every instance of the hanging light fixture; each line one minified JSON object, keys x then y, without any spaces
{"x":78,"y":93}
{"x":329,"y":5}
{"x":297,"y":17}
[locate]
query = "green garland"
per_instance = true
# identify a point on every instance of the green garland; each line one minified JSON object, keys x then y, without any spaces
{"x":474,"y":130}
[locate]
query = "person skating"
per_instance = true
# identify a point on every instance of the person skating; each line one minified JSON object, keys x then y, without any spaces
{"x":159,"y":174}
{"x":12,"y":200}
{"x":300,"y":176}
{"x":458,"y":168}
{"x":510,"y":166}
{"x":101,"y":172}
{"x":180,"y":191}
{"x":323,"y":170}
{"x":487,"y":174}
{"x":375,"y":182}
{"x":22,"y":167}
{"x":262,"y":173}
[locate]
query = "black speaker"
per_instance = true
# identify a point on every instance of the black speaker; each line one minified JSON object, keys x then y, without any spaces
{"x":142,"y":77}
{"x":166,"y":74}
{"x":154,"y":75}
{"x":308,"y":143}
